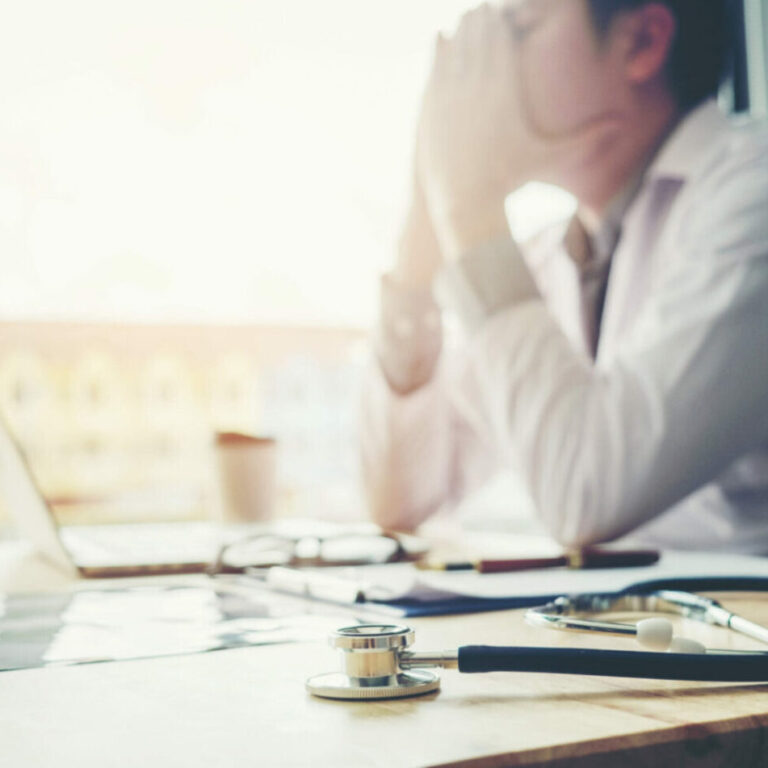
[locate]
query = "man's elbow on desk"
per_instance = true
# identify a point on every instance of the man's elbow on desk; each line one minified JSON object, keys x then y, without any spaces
{"x":577,"y":538}
{"x":390,"y":510}
{"x":581,"y":514}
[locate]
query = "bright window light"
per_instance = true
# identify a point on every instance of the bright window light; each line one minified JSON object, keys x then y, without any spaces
{"x":206,"y":160}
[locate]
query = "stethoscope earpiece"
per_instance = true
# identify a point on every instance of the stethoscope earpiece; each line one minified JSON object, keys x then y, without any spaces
{"x":654,"y":634}
{"x":686,"y":645}
{"x":657,"y":635}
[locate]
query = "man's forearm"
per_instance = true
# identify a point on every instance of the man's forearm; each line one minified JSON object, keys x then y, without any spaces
{"x":470,"y":227}
{"x":487,"y":279}
{"x":407,"y":450}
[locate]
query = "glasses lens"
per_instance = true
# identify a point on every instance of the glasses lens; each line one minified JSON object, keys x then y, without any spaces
{"x":349,"y":549}
{"x":261,"y":551}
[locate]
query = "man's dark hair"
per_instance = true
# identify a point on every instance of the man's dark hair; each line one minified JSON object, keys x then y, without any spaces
{"x":698,"y":57}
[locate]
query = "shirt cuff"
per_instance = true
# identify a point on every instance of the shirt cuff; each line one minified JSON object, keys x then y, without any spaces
{"x":409,"y":336}
{"x":485,"y":281}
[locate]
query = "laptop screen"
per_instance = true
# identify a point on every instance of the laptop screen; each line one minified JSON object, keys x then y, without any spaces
{"x":25,"y":503}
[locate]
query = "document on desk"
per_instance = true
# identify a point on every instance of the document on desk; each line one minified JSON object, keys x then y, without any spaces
{"x":100,"y":625}
{"x":404,"y":590}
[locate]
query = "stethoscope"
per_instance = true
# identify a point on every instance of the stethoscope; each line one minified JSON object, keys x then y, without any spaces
{"x":378,"y":665}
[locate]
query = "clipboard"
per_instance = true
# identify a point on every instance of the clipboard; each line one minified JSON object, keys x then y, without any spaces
{"x":459,"y":605}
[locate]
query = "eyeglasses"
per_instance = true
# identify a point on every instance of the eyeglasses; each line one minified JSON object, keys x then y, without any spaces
{"x":266,"y":549}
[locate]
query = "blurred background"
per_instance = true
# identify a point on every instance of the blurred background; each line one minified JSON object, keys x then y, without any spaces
{"x":196,"y":199}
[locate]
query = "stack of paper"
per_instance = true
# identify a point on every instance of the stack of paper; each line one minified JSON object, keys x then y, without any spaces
{"x":405,"y":589}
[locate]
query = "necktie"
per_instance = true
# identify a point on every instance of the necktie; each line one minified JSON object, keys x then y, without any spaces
{"x":592,"y":258}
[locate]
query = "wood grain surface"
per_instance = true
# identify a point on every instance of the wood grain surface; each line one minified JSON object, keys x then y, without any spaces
{"x":249,"y":707}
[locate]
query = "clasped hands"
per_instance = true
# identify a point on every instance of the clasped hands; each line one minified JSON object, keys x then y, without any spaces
{"x":474,"y":146}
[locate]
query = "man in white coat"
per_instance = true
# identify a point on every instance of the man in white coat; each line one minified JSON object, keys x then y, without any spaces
{"x":618,"y":363}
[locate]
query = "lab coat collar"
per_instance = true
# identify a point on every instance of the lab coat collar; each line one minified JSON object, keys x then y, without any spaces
{"x":685,"y":149}
{"x":677,"y":159}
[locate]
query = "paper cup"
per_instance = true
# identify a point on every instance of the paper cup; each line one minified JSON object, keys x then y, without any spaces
{"x":247,"y":476}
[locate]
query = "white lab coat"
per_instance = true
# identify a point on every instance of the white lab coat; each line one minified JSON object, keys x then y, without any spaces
{"x":665,"y":434}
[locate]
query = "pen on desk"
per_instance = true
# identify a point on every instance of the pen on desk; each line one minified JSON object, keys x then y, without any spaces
{"x":583,"y":558}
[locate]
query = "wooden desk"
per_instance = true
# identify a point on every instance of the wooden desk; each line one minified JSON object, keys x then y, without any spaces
{"x":248,"y":707}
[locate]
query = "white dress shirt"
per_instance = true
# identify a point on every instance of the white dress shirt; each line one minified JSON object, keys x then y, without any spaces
{"x":665,"y":433}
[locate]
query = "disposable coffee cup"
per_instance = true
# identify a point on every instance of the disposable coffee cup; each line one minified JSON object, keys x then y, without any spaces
{"x":247,"y":477}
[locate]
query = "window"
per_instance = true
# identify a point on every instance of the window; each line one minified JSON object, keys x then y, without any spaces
{"x":196,"y":199}
{"x":224,"y":160}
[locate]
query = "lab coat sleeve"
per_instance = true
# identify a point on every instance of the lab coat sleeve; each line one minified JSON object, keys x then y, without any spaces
{"x":604,"y":450}
{"x":418,"y":452}
{"x":407,"y":450}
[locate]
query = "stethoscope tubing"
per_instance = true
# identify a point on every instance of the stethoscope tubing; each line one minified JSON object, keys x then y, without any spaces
{"x":377,"y":663}
{"x":752,"y":667}
{"x":586,"y":661}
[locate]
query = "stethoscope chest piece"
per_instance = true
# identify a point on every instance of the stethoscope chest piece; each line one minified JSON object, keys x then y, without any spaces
{"x":372,"y":670}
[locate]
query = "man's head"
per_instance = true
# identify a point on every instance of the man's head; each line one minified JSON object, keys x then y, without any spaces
{"x":580,"y":59}
{"x":697,"y":56}
{"x":634,"y":65}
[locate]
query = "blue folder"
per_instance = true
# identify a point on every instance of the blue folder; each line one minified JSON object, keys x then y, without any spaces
{"x":467,"y":604}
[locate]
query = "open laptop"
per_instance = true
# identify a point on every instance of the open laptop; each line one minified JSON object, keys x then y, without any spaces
{"x":102,"y":551}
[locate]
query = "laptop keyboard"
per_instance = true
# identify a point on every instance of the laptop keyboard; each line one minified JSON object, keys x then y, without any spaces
{"x":150,"y":542}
